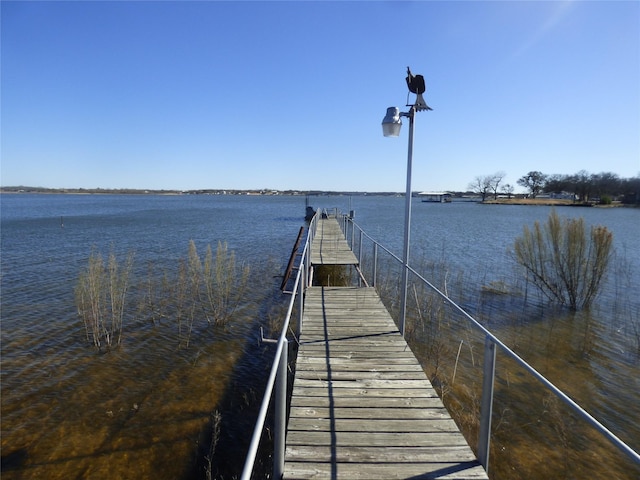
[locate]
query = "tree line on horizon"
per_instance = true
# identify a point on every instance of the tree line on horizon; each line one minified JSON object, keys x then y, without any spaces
{"x":582,"y":186}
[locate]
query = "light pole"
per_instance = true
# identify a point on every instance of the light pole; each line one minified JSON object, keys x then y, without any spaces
{"x":391,"y":124}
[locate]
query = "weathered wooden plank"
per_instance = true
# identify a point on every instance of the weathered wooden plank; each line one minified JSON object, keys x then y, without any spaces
{"x":359,"y":402}
{"x":375,"y":439}
{"x":362,"y":363}
{"x":320,"y":454}
{"x":390,"y":425}
{"x":367,"y":413}
{"x":362,"y":406}
{"x":346,"y":320}
{"x":372,"y":470}
{"x":367,"y":392}
{"x":360,"y":350}
{"x":318,"y":363}
{"x":329,"y":246}
{"x":337,"y":353}
{"x":341,"y":375}
{"x":360,"y":327}
{"x":338,"y":345}
{"x":342,"y":343}
{"x":369,"y":383}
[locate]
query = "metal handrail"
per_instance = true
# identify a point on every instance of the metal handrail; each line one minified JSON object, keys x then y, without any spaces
{"x":278,"y":375}
{"x":491,"y":341}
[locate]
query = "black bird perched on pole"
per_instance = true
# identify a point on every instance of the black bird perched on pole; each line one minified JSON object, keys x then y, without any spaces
{"x":416,"y":85}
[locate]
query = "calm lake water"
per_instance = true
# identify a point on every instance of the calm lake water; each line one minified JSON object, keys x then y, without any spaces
{"x":144,"y":410}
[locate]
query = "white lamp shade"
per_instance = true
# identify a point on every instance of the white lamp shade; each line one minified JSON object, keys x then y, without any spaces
{"x":391,"y":122}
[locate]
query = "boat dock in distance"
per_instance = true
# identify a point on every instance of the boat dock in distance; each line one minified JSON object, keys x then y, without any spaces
{"x":362,"y":406}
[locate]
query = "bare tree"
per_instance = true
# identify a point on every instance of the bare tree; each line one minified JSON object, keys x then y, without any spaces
{"x":606,"y":183}
{"x":556,"y":183}
{"x":631,"y":190}
{"x":582,"y":185}
{"x":481,"y":186}
{"x":533,"y":181}
{"x":494,"y":183}
{"x":507,"y":189}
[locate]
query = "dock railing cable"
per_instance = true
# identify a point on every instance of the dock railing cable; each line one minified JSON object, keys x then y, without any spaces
{"x":279,"y":372}
{"x":490,"y":350}
{"x":278,"y":375}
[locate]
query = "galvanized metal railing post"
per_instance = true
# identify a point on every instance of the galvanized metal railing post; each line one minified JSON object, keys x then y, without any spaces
{"x":307,"y":270}
{"x":280,"y":428}
{"x":486,"y":408}
{"x":353,"y":235}
{"x":302,"y":288}
{"x":375,"y":264}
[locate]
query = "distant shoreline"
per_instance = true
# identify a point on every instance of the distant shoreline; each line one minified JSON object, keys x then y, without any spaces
{"x":85,"y":192}
{"x":220,"y":191}
{"x":549,"y":202}
{"x":517,"y":200}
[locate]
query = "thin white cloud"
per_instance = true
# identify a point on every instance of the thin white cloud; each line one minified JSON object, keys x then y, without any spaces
{"x":559,"y":11}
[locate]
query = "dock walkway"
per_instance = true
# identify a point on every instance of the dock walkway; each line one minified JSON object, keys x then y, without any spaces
{"x":329,"y":246}
{"x":362,"y":407}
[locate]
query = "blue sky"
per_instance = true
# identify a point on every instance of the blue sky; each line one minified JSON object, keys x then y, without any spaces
{"x":290,"y":95}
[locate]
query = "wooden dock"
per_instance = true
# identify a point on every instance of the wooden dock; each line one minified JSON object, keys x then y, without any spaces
{"x":329,"y":246}
{"x":362,"y":407}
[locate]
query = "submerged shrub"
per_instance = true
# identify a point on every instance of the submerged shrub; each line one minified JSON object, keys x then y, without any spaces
{"x":100,"y":298}
{"x":563,"y":261}
{"x":224,"y":283}
{"x":209,"y":289}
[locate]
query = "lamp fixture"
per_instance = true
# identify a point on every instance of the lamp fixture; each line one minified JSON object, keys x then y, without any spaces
{"x":391,"y":124}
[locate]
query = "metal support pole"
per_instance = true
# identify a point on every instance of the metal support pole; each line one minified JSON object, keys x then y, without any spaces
{"x":486,"y":408}
{"x":375,"y":265}
{"x":353,"y":238}
{"x":280,"y":427}
{"x":307,"y":263}
{"x":407,"y":226}
{"x":302,"y":289}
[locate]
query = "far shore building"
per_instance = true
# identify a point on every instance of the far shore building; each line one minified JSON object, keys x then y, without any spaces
{"x":435,"y":197}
